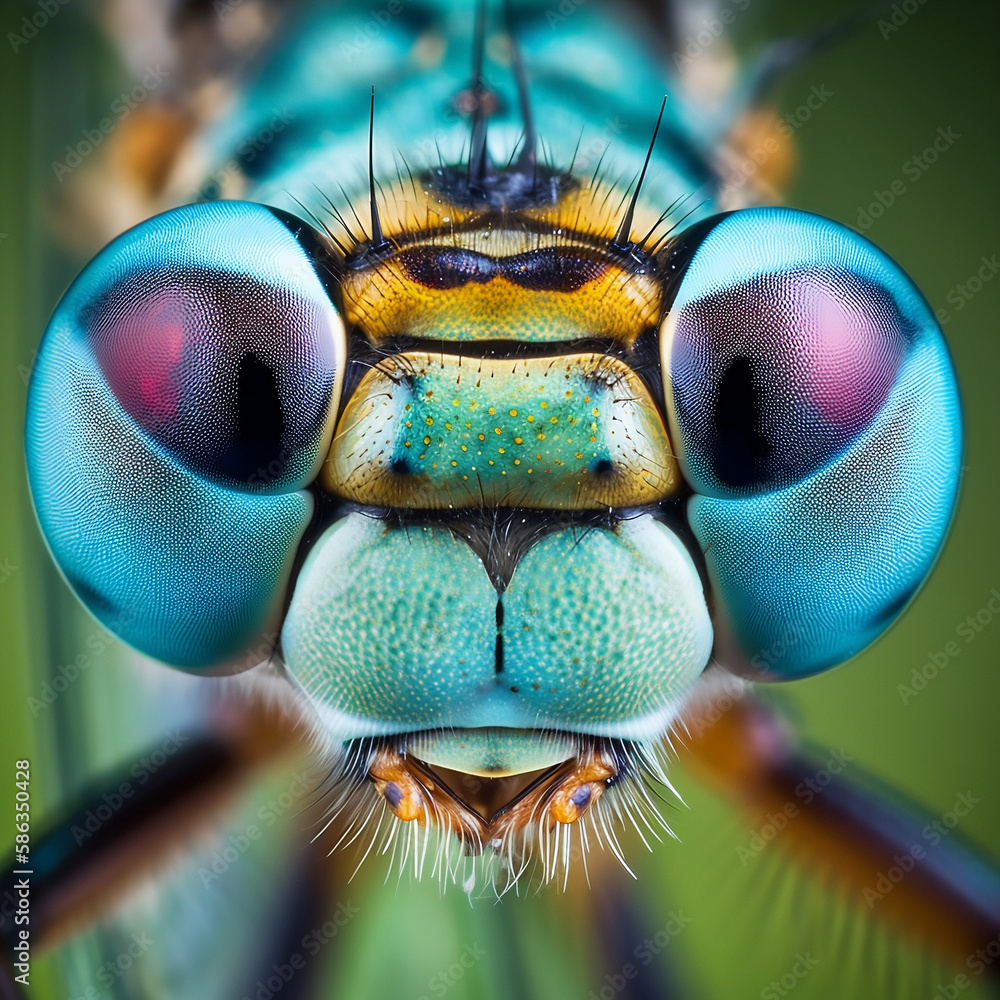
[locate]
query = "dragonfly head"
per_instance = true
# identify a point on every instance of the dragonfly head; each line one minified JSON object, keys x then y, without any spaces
{"x":492,"y":499}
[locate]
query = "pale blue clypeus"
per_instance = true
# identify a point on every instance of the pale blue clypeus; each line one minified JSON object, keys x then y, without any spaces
{"x":188,"y":385}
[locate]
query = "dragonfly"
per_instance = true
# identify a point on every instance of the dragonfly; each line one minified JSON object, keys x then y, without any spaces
{"x":493,"y":456}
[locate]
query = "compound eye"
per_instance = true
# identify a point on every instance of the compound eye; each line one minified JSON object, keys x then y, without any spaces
{"x":216,"y":335}
{"x":781,"y":346}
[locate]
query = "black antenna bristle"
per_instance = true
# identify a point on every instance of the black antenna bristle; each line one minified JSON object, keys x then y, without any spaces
{"x":621,"y":240}
{"x":378,"y":240}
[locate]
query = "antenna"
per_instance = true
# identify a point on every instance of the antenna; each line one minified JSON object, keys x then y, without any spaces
{"x":621,"y":240}
{"x":477,"y":151}
{"x":527,"y":160}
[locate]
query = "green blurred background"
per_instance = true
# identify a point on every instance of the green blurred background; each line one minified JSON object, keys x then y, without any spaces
{"x":889,"y":97}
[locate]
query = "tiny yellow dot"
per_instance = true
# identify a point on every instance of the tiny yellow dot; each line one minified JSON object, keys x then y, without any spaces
{"x":408,"y":424}
{"x":465,"y":477}
{"x":553,"y":420}
{"x":491,"y":461}
{"x":513,"y":413}
{"x":541,"y":437}
{"x":454,"y":464}
{"x":531,"y":419}
{"x":496,"y":430}
{"x":492,"y":411}
{"x":596,"y":412}
{"x":427,"y":440}
{"x":465,"y":447}
{"x":448,"y":426}
{"x":429,"y":421}
{"x":455,"y":402}
{"x":592,"y":439}
{"x":586,"y":399}
{"x":482,"y":437}
{"x":544,"y":405}
{"x":530,"y":471}
{"x":517,"y":461}
{"x":406,"y":444}
{"x":518,"y":440}
{"x":569,"y":392}
{"x":501,"y":450}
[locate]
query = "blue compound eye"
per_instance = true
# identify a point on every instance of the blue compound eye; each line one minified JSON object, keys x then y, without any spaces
{"x":184,"y":394}
{"x":783,"y":343}
{"x":814,"y":410}
{"x":219,"y":341}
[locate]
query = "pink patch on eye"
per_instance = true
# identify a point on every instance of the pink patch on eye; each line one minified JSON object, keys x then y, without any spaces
{"x":851,"y":355}
{"x":142,"y":354}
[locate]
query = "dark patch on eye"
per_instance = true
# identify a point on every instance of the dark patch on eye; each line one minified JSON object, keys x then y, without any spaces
{"x":603,"y":467}
{"x":399,"y":467}
{"x":498,"y":658}
{"x":259,"y":424}
{"x":742,"y":448}
{"x":549,"y":269}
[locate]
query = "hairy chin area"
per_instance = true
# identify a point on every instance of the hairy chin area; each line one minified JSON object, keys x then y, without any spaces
{"x":491,"y":835}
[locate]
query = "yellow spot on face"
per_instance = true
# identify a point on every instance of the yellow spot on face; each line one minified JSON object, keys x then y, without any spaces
{"x":429,"y":421}
{"x":569,"y":392}
{"x":454,"y":463}
{"x":468,"y":423}
{"x":518,"y":440}
{"x":455,"y":402}
{"x":482,"y":437}
{"x":427,"y":440}
{"x":541,"y":437}
{"x":502,"y":452}
{"x":491,"y":461}
{"x":408,"y":424}
{"x":517,"y":461}
{"x":496,"y":430}
{"x":530,"y":471}
{"x":596,"y":412}
{"x":586,"y":399}
{"x":406,"y":444}
{"x":531,"y":419}
{"x":492,"y":411}
{"x":447,"y":426}
{"x":544,"y":405}
{"x":592,"y":439}
{"x":465,"y":447}
{"x":553,"y":420}
{"x":513,"y":413}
